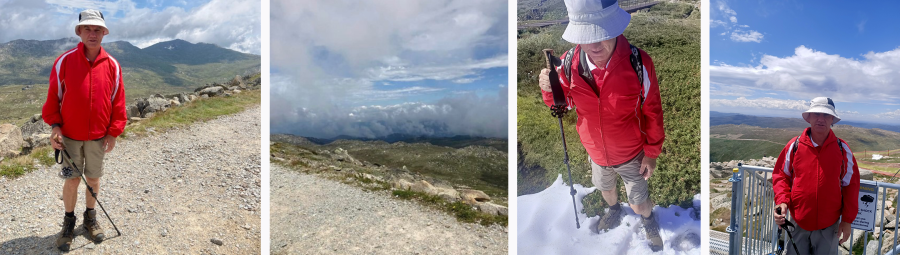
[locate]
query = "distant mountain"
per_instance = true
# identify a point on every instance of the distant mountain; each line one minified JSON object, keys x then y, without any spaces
{"x":160,"y":68}
{"x":720,"y":118}
{"x":459,"y":141}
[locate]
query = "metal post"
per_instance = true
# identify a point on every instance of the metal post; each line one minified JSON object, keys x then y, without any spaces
{"x":734,"y":229}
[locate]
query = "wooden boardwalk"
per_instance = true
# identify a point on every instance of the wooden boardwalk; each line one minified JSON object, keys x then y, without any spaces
{"x":630,"y":7}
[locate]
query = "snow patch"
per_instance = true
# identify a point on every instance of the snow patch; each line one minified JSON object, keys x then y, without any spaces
{"x":546,"y":225}
{"x":877,"y":156}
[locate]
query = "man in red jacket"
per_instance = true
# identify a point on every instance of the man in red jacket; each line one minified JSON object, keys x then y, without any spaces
{"x":818,"y":183}
{"x":620,"y":117}
{"x":86,"y":108}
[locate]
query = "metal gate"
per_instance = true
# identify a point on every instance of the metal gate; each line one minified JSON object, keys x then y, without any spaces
{"x":752,"y":229}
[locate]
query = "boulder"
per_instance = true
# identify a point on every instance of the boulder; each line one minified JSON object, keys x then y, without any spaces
{"x":212,"y":91}
{"x":132,"y":110}
{"x":174,"y":102}
{"x":866,"y":174}
{"x":35,"y":125}
{"x":11,"y":140}
{"x":155,"y":104}
{"x":34,"y":141}
{"x":492,"y":209}
{"x":402,"y":184}
{"x":473,"y":197}
{"x":192,"y":97}
{"x":237,"y":81}
{"x":236,"y":91}
{"x":341,"y":155}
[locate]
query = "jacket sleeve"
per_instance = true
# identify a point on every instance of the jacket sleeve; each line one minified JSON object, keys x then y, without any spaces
{"x":50,"y":111}
{"x":548,"y":96}
{"x":783,"y":180}
{"x":118,"y":115}
{"x":850,"y":192}
{"x":652,"y":123}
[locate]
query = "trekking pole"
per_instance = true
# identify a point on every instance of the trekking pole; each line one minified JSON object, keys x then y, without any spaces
{"x":89,"y":188}
{"x":788,"y":227}
{"x":559,"y":110}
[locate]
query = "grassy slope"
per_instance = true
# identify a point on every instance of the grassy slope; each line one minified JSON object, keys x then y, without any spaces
{"x":726,"y":150}
{"x":674,"y":43}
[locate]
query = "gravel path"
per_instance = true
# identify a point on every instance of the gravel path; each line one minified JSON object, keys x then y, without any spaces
{"x":313,"y":215}
{"x":171,"y":192}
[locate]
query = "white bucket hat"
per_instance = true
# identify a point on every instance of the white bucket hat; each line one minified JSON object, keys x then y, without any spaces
{"x":822,"y":105}
{"x":91,"y":18}
{"x":592,"y":21}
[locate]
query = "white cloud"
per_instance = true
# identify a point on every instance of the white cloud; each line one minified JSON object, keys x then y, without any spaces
{"x":717,"y":23}
{"x":748,"y":36}
{"x":726,"y":90}
{"x":763,"y":103}
{"x":723,"y":7}
{"x":318,"y":44}
{"x":233,"y":24}
{"x":733,"y":19}
{"x":809,"y":73}
{"x":861,"y":26}
{"x":889,"y":115}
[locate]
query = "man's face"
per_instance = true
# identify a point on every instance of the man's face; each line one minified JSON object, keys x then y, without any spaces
{"x":91,"y":36}
{"x":600,"y":51}
{"x":820,"y":122}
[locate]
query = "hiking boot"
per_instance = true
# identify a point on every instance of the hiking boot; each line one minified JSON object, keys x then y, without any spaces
{"x":67,"y":234}
{"x":652,"y":229}
{"x":93,"y":229}
{"x":611,"y":219}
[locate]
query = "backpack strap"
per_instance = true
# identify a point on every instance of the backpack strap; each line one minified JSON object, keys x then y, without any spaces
{"x":636,"y":63}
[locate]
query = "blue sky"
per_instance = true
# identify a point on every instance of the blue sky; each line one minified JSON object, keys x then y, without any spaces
{"x":233,"y":24}
{"x":771,"y":57}
{"x":376,"y":68}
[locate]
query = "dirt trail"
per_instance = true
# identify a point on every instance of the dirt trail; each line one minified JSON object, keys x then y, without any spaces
{"x":170,"y":192}
{"x":313,"y":215}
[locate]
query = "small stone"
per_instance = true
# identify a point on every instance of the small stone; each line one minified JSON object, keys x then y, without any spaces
{"x":89,"y":246}
{"x":146,"y":191}
{"x":247,"y":227}
{"x":216,"y":241}
{"x":164,"y":233}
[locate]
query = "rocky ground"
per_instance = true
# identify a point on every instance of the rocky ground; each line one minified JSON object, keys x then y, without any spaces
{"x":193,"y":190}
{"x":314,"y":215}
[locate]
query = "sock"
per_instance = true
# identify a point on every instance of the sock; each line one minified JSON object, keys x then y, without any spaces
{"x":617,"y":205}
{"x":88,"y":209}
{"x":70,"y":214}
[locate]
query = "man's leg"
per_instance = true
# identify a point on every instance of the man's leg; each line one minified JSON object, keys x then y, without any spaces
{"x":89,"y":200}
{"x":70,"y":193}
{"x":639,"y":199}
{"x":93,"y":164}
{"x":801,"y":239}
{"x":604,"y":178}
{"x":825,"y":241}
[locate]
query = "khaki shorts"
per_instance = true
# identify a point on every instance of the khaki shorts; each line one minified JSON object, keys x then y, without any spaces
{"x":87,"y":155}
{"x":605,"y":177}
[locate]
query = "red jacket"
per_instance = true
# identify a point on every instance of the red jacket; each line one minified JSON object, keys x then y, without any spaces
{"x":87,"y":100}
{"x":613,"y":127}
{"x":821,"y":186}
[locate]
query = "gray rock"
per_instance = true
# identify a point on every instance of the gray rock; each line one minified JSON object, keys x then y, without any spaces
{"x":11,"y":140}
{"x":473,"y":197}
{"x":132,"y":110}
{"x":155,"y":104}
{"x":212,"y":91}
{"x":492,"y":209}
{"x":866,"y":174}
{"x":216,"y":241}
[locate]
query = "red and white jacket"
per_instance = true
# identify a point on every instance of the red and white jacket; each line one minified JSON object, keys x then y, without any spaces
{"x":86,"y":99}
{"x":820,"y":184}
{"x":613,"y":126}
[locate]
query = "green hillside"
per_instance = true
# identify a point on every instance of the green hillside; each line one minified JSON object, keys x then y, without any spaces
{"x":735,"y":142}
{"x":673,"y":41}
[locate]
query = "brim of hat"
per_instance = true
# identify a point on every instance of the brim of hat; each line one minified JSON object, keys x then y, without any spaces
{"x":92,"y":23}
{"x":821,"y":109}
{"x":587,"y":32}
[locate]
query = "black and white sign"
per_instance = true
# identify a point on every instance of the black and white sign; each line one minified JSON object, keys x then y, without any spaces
{"x":865,"y":217}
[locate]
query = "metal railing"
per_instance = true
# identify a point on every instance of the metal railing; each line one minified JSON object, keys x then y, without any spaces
{"x":752,"y":229}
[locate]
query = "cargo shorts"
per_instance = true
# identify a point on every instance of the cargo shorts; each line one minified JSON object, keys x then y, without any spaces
{"x":87,"y":155}
{"x":605,"y":177}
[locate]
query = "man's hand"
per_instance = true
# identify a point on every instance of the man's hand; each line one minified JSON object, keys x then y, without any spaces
{"x":56,"y":140}
{"x":109,"y":142}
{"x":779,"y":218}
{"x":648,"y":164}
{"x":844,"y":231}
{"x":544,"y":80}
